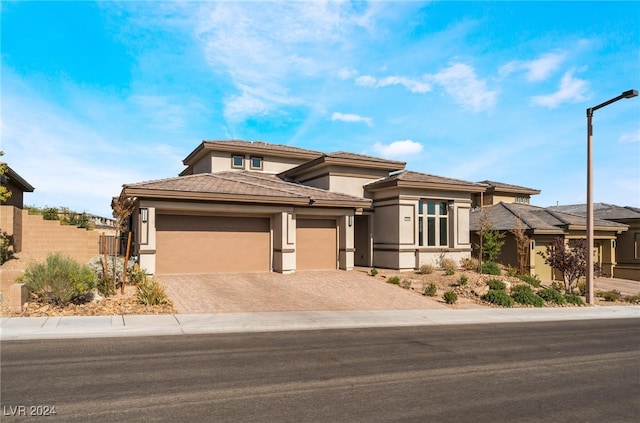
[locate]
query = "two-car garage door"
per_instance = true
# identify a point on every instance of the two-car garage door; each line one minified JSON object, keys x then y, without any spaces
{"x":208,"y":244}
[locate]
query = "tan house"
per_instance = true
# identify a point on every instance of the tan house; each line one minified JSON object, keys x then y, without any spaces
{"x":542,"y":226}
{"x":499,"y":191}
{"x":627,"y":243}
{"x":243,"y":206}
{"x":11,"y":210}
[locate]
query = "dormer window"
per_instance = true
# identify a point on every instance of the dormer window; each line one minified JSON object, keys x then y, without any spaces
{"x":237,"y":161}
{"x":256,"y":163}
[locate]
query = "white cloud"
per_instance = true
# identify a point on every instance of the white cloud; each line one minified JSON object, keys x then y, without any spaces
{"x":630,"y":137}
{"x":264,"y":46}
{"x":536,"y":70}
{"x":347,"y":117}
{"x":460,"y":81}
{"x":571,"y":90}
{"x":346,"y":73}
{"x":398,"y":149}
{"x":412,"y":85}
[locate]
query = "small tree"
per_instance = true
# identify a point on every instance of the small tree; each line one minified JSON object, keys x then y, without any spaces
{"x":491,"y":239}
{"x":522,"y":246}
{"x":570,"y":259}
{"x":4,"y":191}
{"x":123,"y":207}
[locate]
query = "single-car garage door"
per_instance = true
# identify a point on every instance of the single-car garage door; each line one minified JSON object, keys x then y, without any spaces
{"x":316,"y":244}
{"x":205,"y":244}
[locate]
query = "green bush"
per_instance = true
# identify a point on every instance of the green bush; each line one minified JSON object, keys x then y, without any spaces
{"x":491,"y":268}
{"x":105,"y":287}
{"x":406,"y":284}
{"x":469,"y":263}
{"x":151,"y":292}
{"x":633,"y":299}
{"x":5,"y":242}
{"x":430,"y":290}
{"x":524,"y":295}
{"x":613,"y":295}
{"x":511,"y":271}
{"x":59,"y":280}
{"x":374,"y":271}
{"x":50,"y":213}
{"x":552,"y":296}
{"x":394,"y":280}
{"x":426,"y":269}
{"x":97,"y":265}
{"x":573,"y":299}
{"x":498,"y":297}
{"x":497,"y":285}
{"x":448,"y":265}
{"x":136,"y":275}
{"x":450,"y":297}
{"x":531,"y":280}
{"x":463,"y":280}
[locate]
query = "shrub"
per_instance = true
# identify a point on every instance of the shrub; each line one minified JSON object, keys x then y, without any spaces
{"x":59,"y":279}
{"x":136,"y":275}
{"x":469,"y":263}
{"x":50,"y":213}
{"x":463,"y":280}
{"x":374,"y":271}
{"x":531,"y":280}
{"x":573,"y":299}
{"x":97,"y":265}
{"x":633,"y":299}
{"x":394,"y":280}
{"x":524,"y":295}
{"x":105,"y":287}
{"x":426,"y":269}
{"x":498,"y":297}
{"x":582,"y":287}
{"x":450,"y":297}
{"x":406,"y":284}
{"x":497,"y":285}
{"x":448,"y":265}
{"x":511,"y":271}
{"x":613,"y":295}
{"x":430,"y":290}
{"x":558,"y":286}
{"x":151,"y":292}
{"x":552,"y":295}
{"x":491,"y":268}
{"x":5,"y":242}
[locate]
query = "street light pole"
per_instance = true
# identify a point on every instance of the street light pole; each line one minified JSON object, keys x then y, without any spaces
{"x":589,"y":273}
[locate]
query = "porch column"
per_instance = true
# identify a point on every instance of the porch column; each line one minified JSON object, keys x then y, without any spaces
{"x":147,"y":239}
{"x":346,"y":247}
{"x":284,"y":242}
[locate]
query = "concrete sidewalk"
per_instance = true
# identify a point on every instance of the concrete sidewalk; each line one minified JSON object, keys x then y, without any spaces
{"x":22,"y":328}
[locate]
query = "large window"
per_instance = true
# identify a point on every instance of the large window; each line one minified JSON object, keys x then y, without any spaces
{"x":433,"y":223}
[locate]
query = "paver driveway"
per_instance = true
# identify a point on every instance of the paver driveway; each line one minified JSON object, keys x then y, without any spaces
{"x":301,"y":291}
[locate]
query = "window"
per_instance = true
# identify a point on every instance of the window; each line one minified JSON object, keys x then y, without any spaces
{"x":256,"y":162}
{"x":433,"y":223}
{"x":522,"y":200}
{"x":237,"y":161}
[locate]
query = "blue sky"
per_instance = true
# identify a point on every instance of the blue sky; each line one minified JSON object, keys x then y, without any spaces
{"x":98,"y":94}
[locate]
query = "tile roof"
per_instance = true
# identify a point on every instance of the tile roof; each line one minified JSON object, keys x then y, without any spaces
{"x":262,"y":145}
{"x":354,"y":156}
{"x":503,"y":216}
{"x":411,"y":177}
{"x":601,"y":210}
{"x":258,"y":187}
{"x":501,"y":186}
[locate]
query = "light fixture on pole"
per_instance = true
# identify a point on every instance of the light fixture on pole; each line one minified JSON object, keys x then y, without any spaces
{"x":589,"y":274}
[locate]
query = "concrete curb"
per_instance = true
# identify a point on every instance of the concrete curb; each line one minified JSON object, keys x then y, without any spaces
{"x":24,"y":328}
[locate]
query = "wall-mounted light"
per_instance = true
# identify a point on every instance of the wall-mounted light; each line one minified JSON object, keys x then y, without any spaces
{"x":614,"y":244}
{"x":533,"y":244}
{"x":144,"y":215}
{"x":350,"y":221}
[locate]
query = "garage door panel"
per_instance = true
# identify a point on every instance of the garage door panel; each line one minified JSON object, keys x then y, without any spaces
{"x":204,"y":244}
{"x":316,"y":244}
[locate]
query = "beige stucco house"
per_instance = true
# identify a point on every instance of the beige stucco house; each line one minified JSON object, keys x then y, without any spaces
{"x":243,"y":206}
{"x":542,"y":226}
{"x":627,"y":242}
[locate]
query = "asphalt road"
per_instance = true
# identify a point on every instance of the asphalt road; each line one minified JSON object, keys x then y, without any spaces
{"x":583,"y":371}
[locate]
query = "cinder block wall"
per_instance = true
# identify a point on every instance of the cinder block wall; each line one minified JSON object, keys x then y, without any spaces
{"x":41,"y":237}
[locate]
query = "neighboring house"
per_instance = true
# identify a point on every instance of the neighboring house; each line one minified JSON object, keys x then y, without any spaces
{"x":499,"y":191}
{"x":628,"y":243}
{"x":542,"y":226}
{"x":11,"y":210}
{"x":244,"y":206}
